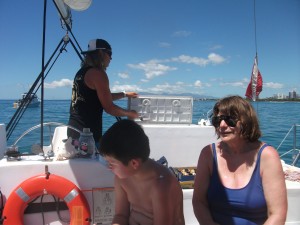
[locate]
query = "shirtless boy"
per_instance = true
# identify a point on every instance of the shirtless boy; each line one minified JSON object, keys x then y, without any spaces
{"x":146,"y":192}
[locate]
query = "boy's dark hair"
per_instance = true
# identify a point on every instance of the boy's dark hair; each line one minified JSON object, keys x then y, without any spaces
{"x":125,"y":140}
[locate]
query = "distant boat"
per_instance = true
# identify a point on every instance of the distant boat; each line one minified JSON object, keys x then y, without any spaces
{"x":30,"y":101}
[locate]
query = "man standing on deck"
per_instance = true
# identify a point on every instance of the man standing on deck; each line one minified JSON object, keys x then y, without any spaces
{"x":91,"y":93}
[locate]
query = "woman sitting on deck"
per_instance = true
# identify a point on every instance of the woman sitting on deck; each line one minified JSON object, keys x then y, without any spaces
{"x":240,"y":179}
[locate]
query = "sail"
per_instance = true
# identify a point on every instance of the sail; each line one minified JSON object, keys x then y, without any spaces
{"x":64,"y":12}
{"x":64,"y":7}
{"x":78,"y":5}
{"x":255,"y":85}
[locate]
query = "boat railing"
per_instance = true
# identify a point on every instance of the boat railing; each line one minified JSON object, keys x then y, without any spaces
{"x":294,"y":150}
{"x":206,"y":121}
{"x":36,"y":148}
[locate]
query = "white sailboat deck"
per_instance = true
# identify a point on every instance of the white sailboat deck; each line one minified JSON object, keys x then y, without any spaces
{"x":179,"y":144}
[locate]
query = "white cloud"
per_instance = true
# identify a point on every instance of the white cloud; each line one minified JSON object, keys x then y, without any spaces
{"x":166,"y":88}
{"x":152,"y":68}
{"x":246,"y":80}
{"x":179,"y":83}
{"x":273,"y":85}
{"x":164,"y":44}
{"x":60,"y":83}
{"x":125,"y":87}
{"x":198,"y":83}
{"x":190,"y":60}
{"x":212,"y":58}
{"x":233,"y":84}
{"x":181,"y":33}
{"x":155,"y":68}
{"x":215,"y":47}
{"x":123,"y":75}
{"x":215,"y":58}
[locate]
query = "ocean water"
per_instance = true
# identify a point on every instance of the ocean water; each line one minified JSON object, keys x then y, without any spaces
{"x":276,"y":119}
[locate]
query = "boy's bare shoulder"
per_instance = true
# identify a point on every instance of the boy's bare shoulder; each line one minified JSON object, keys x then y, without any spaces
{"x":165,"y":179}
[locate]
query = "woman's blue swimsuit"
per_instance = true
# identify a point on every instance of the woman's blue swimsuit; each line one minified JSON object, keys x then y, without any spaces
{"x":244,"y":206}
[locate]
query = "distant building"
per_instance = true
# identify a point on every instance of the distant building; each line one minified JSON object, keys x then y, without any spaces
{"x":292,"y":94}
{"x":279,"y":96}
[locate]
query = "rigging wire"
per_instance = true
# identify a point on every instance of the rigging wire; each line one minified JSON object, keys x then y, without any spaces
{"x":39,"y":82}
{"x":255,"y":34}
{"x":43,"y":71}
{"x":34,"y":88}
{"x":255,"y":41}
{"x":67,"y":25}
{"x":22,"y":108}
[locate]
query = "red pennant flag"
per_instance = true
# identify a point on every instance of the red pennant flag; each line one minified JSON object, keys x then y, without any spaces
{"x":256,"y":83}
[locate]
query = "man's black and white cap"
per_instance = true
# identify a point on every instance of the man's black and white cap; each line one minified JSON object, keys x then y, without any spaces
{"x":97,"y":44}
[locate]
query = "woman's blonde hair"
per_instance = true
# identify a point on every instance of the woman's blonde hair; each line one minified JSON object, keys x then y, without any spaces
{"x":94,"y":59}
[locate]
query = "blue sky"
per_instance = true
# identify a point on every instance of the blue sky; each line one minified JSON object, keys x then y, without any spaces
{"x":204,"y":47}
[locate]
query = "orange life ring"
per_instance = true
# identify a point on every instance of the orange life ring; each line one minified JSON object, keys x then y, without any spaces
{"x":46,"y":184}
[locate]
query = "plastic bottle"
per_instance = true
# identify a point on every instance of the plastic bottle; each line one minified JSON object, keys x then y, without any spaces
{"x":86,"y":143}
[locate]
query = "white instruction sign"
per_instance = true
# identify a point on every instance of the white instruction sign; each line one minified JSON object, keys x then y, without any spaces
{"x":103,"y":205}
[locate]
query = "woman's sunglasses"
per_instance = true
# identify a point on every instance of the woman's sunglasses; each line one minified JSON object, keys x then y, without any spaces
{"x":230,"y":121}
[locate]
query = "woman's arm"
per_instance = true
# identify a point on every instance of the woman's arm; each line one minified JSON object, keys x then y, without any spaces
{"x":123,"y":94}
{"x":201,"y":183}
{"x":98,"y":80}
{"x":274,"y":186}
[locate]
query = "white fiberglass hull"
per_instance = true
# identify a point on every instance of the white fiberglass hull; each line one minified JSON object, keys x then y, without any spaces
{"x":179,"y":144}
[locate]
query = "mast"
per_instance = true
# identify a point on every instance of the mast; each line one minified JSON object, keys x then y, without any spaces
{"x":255,"y":36}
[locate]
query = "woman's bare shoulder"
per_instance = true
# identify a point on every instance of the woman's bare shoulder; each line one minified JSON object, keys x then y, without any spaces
{"x":269,"y":153}
{"x":207,"y":151}
{"x":270,"y":159}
